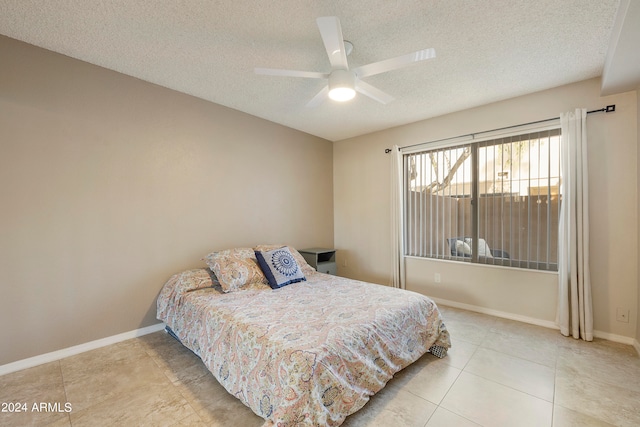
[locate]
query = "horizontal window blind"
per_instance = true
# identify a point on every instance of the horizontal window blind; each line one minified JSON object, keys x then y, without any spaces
{"x":492,"y":202}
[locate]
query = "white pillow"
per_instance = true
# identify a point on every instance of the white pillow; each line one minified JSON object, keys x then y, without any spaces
{"x":483,"y":248}
{"x":463,"y":247}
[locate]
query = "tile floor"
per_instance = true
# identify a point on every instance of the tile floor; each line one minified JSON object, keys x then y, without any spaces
{"x":498,"y":373}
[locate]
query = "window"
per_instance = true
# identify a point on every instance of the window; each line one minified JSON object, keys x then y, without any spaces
{"x":492,"y":202}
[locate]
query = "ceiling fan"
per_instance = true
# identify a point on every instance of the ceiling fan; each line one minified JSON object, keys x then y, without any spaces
{"x":342,"y":82}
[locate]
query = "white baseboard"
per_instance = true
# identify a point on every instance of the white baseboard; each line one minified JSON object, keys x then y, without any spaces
{"x":72,"y":351}
{"x":497,"y":313}
{"x":613,"y":337}
{"x":545,"y":323}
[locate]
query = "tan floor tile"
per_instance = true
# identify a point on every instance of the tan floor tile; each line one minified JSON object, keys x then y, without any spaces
{"x":563,"y":417}
{"x":599,"y":348}
{"x":429,"y":378}
{"x":444,"y":418}
{"x":466,"y":325}
{"x":90,"y":379}
{"x":467,"y":331}
{"x":154,"y":405}
{"x":62,"y":422}
{"x":507,"y":326}
{"x":34,"y":418}
{"x":528,"y":347}
{"x":613,"y":404}
{"x":191,"y":371}
{"x":523,"y":375}
{"x":21,"y":390}
{"x":491,"y":404}
{"x":177,"y":362}
{"x":203,"y":392}
{"x":192,"y":420}
{"x":622,"y":365}
{"x":126,"y":350}
{"x":215,"y":406}
{"x":392,"y":407}
{"x":460,"y":353}
{"x":230,"y":413}
{"x":40,"y":383}
{"x":163,"y":344}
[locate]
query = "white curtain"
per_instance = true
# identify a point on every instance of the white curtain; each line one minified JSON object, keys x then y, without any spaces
{"x":397,"y":269}
{"x":575,"y":313}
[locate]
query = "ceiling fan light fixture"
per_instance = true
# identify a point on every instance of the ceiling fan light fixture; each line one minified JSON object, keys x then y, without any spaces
{"x":342,"y":94}
{"x":342,"y":85}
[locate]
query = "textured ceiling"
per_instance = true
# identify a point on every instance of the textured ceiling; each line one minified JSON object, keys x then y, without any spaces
{"x":486,"y":50}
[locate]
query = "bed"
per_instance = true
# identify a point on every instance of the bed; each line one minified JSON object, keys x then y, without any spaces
{"x":310,"y":352}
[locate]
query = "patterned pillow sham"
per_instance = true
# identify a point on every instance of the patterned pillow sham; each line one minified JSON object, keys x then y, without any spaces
{"x":306,"y":269}
{"x":279,"y":267}
{"x":237,"y":269}
{"x":192,"y":280}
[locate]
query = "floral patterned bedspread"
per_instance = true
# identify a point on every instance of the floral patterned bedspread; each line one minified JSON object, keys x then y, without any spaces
{"x":309,"y":353}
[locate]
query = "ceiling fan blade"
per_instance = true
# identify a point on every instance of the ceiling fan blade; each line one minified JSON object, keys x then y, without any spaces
{"x":319,"y":98}
{"x":331,"y":33}
{"x":395,"y":63}
{"x":291,"y":73}
{"x":373,"y":92}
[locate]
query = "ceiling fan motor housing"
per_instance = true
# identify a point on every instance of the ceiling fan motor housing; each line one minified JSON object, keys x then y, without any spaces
{"x":342,"y":84}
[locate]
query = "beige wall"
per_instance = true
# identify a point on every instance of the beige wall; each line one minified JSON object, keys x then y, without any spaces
{"x":362,"y":194}
{"x":638,"y":264}
{"x":109,"y":185}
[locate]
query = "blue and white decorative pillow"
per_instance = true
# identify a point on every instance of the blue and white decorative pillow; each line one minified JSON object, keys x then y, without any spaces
{"x":279,"y":267}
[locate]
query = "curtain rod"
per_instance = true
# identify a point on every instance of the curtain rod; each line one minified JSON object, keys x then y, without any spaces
{"x":607,"y":109}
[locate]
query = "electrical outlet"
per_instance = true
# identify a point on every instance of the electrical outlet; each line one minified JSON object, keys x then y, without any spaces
{"x":436,"y":277}
{"x":622,"y":315}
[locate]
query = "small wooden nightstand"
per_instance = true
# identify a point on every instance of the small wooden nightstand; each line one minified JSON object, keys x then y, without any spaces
{"x":323,"y":260}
